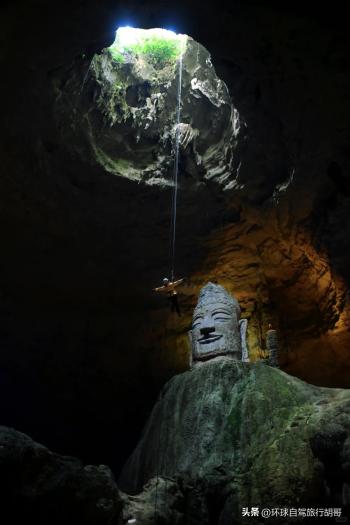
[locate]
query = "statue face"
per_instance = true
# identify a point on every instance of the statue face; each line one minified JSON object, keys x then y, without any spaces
{"x":215,"y":330}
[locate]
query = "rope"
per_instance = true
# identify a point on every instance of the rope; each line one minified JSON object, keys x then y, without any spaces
{"x":172,"y":248}
{"x":157,"y":481}
{"x":176,"y":167}
{"x":85,"y":76}
{"x":165,"y":436}
{"x":173,"y":241}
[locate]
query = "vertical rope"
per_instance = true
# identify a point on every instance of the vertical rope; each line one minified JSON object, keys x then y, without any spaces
{"x":176,"y":165}
{"x":157,"y":481}
{"x":173,"y":239}
{"x":85,"y":76}
{"x":163,"y":439}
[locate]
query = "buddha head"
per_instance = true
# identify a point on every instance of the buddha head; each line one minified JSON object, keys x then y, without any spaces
{"x":215,"y":325}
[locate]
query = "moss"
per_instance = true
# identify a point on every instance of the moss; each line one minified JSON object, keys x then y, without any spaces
{"x":110,"y":95}
{"x":274,"y":418}
{"x":116,"y":54}
{"x":151,"y":46}
{"x":159,"y":51}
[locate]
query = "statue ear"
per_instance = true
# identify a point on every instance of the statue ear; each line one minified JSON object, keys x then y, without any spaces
{"x":243,"y":325}
{"x":190,"y":338}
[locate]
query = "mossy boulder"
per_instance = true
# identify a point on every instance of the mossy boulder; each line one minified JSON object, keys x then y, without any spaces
{"x":248,"y":435}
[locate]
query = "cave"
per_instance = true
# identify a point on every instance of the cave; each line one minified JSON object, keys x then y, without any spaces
{"x":116,"y":115}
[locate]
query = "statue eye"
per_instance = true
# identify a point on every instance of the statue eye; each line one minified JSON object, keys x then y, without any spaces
{"x":221,"y":316}
{"x":197,"y":322}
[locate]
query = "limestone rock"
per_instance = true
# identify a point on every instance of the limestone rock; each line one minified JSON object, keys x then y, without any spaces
{"x":38,"y":486}
{"x":161,"y":501}
{"x":240,"y":435}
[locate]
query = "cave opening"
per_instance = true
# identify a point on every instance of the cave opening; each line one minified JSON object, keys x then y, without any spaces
{"x":156,"y":46}
{"x":120,"y":109}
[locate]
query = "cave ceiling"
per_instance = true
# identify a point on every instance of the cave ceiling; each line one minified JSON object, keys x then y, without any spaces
{"x":263,"y":205}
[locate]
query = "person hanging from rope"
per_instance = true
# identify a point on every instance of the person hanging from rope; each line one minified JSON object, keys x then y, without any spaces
{"x":169,"y":289}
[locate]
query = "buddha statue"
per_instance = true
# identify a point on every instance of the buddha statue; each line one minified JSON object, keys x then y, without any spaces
{"x":216,"y":326}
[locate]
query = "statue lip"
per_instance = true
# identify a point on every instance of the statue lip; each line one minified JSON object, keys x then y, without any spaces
{"x":210,"y":339}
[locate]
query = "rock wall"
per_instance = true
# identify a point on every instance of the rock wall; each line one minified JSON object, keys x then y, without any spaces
{"x":122,"y":116}
{"x":39,"y":486}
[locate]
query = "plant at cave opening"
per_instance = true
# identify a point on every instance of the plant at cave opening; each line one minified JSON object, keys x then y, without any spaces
{"x":117,"y":55}
{"x":158,"y":47}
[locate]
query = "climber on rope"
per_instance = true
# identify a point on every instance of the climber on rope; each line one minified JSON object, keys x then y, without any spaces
{"x":169,"y":289}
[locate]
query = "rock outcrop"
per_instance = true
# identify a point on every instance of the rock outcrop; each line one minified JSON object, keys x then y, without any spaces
{"x":238,"y":435}
{"x":38,"y":486}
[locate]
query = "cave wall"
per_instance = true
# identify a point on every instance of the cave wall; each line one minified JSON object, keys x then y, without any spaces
{"x":85,"y":345}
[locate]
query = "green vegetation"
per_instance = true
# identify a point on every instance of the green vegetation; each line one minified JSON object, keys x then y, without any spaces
{"x":117,"y":55}
{"x":157,"y":50}
{"x":157,"y":47}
